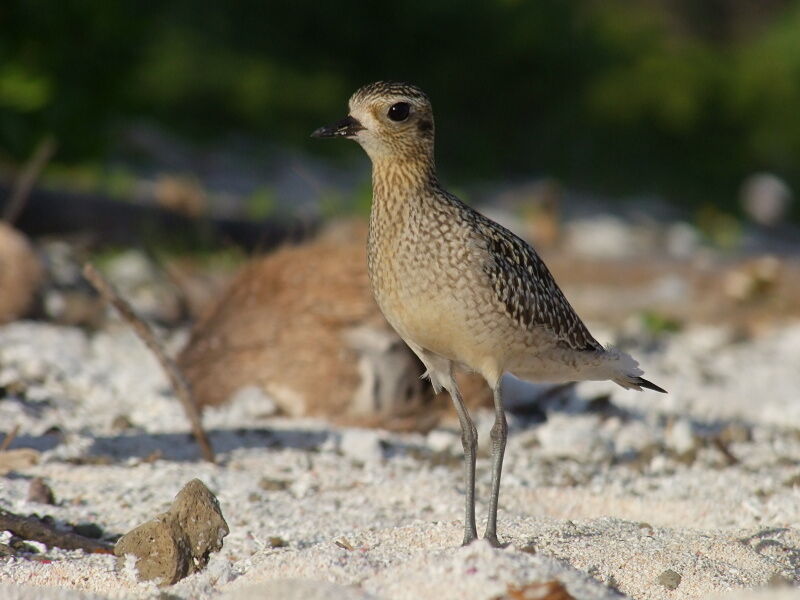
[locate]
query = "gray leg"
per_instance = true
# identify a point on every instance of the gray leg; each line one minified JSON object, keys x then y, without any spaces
{"x":499,"y":435}
{"x":469,"y":441}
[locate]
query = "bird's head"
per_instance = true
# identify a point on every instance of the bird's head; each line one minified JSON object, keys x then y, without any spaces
{"x":390,"y":120}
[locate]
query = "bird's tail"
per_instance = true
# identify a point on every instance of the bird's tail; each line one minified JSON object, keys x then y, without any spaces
{"x":628,"y":374}
{"x":637,"y":383}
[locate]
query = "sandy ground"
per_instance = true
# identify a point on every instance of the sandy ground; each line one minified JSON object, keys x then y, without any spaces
{"x":607,"y":494}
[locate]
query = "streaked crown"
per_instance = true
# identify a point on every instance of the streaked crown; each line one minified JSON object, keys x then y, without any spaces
{"x":397,"y":119}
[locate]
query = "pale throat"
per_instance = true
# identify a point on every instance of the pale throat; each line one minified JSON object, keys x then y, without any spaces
{"x":400,"y":189}
{"x":403,"y":174}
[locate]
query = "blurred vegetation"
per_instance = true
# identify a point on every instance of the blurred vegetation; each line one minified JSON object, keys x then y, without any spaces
{"x":677,"y":97}
{"x":656,"y":323}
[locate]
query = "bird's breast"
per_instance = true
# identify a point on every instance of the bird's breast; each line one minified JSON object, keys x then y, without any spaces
{"x":434,"y":293}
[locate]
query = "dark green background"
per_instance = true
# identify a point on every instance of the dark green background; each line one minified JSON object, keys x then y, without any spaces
{"x":681,"y":97}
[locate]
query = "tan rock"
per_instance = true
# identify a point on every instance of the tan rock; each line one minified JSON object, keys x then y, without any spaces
{"x":178,"y":542}
{"x":18,"y":458}
{"x":196,"y":511}
{"x":40,"y":492}
{"x":161,"y":548}
{"x":20,"y":274}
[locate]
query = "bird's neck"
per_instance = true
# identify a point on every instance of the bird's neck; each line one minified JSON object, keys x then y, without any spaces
{"x":401,"y":182}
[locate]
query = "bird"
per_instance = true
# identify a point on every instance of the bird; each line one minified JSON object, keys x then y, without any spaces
{"x":461,"y":290}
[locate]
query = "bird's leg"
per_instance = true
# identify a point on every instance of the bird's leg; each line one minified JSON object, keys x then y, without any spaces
{"x":499,"y":434}
{"x":469,"y":441}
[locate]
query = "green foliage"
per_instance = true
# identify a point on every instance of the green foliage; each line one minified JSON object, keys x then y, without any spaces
{"x":23,"y":91}
{"x":612,"y":93}
{"x":261,"y":203}
{"x":719,"y":227}
{"x":656,"y":323}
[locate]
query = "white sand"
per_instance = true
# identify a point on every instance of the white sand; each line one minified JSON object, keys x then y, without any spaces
{"x":592,"y":498}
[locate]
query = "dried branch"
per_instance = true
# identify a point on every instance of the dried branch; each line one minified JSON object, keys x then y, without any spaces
{"x":32,"y":528}
{"x":9,"y":438}
{"x":27,"y":178}
{"x":147,"y":336}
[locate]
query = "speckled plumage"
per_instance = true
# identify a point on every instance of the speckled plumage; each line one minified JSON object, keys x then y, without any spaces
{"x":436,"y":264}
{"x":459,"y":288}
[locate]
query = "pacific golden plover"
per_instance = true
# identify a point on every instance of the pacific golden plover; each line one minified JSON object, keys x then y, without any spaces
{"x":460,"y":289}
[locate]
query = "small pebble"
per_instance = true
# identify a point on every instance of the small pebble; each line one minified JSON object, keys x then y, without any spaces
{"x":272,"y":485}
{"x":735,"y":432}
{"x":362,"y":445}
{"x":578,"y":437}
{"x":443,"y":441}
{"x":792,"y":481}
{"x":89,"y":530}
{"x":670,"y":579}
{"x":40,"y":492}
{"x":121,"y":423}
{"x":19,"y":545}
{"x":680,"y":437}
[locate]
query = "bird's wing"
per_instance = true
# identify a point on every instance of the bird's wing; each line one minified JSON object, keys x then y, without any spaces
{"x":523,"y":283}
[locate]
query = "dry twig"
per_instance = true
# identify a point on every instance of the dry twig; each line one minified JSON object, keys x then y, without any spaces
{"x":9,"y":438}
{"x":147,"y":336}
{"x":30,"y":173}
{"x":32,"y":528}
{"x":344,"y":544}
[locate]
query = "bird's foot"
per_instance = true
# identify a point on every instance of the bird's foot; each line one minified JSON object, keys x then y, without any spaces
{"x":469,"y":537}
{"x":493,"y":541}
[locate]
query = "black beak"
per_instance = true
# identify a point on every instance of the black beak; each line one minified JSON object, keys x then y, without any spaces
{"x":347,"y":127}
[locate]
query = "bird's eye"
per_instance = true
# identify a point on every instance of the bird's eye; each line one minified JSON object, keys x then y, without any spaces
{"x":399,"y":112}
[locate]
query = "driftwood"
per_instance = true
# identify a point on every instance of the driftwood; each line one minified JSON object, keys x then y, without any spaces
{"x":33,"y":528}
{"x":147,"y":336}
